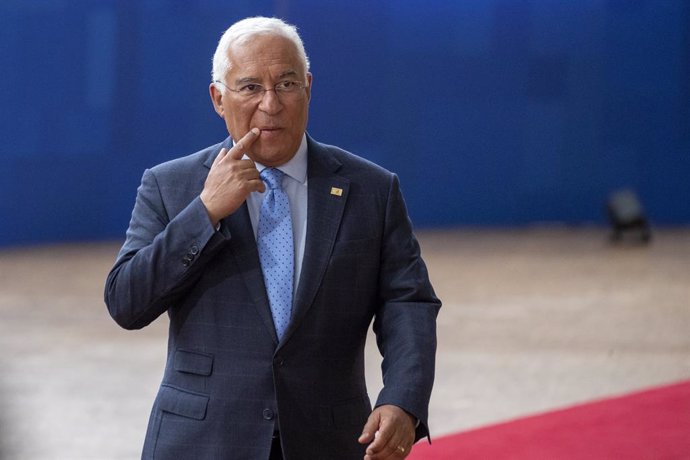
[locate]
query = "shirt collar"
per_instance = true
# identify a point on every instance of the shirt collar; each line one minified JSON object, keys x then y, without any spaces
{"x":296,"y":167}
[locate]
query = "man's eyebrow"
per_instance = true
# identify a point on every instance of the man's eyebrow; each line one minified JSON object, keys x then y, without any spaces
{"x":287,"y":73}
{"x":242,"y":80}
{"x":283,"y":75}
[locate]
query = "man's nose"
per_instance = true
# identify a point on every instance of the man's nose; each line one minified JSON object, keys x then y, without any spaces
{"x":270,"y":101}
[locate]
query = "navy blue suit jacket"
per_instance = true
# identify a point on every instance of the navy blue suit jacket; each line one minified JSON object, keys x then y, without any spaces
{"x":228,"y":382}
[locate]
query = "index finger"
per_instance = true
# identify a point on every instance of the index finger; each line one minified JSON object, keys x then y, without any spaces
{"x":237,"y":151}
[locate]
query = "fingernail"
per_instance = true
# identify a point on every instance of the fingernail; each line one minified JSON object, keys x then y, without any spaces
{"x":256,"y":131}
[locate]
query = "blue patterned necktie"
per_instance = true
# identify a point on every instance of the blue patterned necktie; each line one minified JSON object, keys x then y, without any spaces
{"x":276,"y":248}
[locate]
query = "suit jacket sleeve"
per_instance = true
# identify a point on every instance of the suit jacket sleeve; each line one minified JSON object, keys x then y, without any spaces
{"x":167,"y":241}
{"x":405,"y":324}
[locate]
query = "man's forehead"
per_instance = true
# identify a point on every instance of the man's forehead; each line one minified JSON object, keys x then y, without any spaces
{"x":265,"y":52}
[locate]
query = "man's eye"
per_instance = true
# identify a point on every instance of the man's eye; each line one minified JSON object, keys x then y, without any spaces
{"x":250,"y":88}
{"x":287,"y":85}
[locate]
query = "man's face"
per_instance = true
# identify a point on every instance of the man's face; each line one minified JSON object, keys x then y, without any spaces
{"x":282,"y":118}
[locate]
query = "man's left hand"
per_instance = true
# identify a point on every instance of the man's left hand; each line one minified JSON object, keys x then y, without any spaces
{"x":390,"y":433}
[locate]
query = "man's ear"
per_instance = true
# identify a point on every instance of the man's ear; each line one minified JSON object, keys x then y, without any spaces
{"x":310,"y":81}
{"x":216,"y":99}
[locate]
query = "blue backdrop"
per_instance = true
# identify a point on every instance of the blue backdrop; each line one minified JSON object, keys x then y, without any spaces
{"x":493,"y":112}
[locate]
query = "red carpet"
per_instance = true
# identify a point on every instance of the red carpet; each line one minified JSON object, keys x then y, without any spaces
{"x":653,"y":424}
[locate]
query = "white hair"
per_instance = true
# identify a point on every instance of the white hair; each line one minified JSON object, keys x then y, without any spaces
{"x":241,"y":31}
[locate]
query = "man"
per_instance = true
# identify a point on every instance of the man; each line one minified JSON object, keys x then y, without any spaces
{"x":271,"y":254}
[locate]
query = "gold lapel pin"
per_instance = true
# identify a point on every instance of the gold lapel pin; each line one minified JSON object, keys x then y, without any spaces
{"x":336,"y":191}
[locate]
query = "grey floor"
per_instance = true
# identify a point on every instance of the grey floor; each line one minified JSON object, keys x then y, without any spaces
{"x":533,"y":320}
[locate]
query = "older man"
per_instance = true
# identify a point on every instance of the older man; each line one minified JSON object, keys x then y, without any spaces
{"x":272,"y":254}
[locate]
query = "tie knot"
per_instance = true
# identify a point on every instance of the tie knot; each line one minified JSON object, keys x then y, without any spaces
{"x":273,"y":177}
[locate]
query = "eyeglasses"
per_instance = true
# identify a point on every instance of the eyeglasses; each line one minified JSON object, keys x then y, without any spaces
{"x":256,"y":91}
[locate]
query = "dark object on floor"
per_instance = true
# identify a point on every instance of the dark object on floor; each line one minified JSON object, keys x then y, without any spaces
{"x":626,"y":215}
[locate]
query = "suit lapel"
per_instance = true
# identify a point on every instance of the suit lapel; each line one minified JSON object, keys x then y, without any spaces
{"x":327,"y":195}
{"x":238,"y":227}
{"x":244,"y":250}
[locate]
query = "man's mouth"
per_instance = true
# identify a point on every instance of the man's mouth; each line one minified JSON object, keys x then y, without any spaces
{"x":268,"y":133}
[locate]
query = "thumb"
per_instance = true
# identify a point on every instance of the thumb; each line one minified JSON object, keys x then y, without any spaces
{"x":220,"y":156}
{"x":370,"y":428}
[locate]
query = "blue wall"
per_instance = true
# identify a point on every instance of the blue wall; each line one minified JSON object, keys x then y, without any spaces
{"x":493,"y":112}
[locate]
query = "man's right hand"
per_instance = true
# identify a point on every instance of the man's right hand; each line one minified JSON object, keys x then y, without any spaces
{"x":231,"y":180}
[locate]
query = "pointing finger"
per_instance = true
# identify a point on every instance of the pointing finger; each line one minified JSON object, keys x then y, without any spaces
{"x":237,"y":152}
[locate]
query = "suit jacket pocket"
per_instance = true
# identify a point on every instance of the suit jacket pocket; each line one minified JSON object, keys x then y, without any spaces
{"x":193,"y":362}
{"x":182,"y":402}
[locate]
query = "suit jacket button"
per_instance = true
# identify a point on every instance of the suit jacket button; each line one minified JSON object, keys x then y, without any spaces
{"x":268,"y":414}
{"x":194,"y":250}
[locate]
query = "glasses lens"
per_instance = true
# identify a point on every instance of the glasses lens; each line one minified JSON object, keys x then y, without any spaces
{"x":288,"y":86}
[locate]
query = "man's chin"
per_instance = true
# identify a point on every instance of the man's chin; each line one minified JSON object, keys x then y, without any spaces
{"x":272,"y":153}
{"x":271,"y":157}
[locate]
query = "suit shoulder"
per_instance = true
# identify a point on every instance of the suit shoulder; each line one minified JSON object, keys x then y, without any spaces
{"x":187,"y":163}
{"x":351,"y":163}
